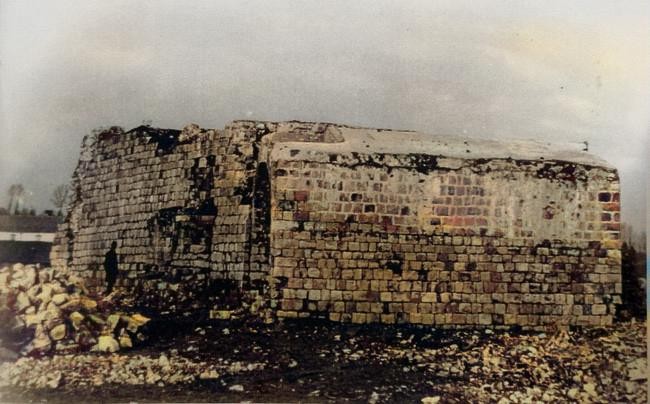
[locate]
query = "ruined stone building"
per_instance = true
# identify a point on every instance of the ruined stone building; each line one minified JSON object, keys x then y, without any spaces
{"x":350,"y":224}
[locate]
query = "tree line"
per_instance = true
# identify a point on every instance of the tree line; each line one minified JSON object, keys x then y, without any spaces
{"x":19,"y":197}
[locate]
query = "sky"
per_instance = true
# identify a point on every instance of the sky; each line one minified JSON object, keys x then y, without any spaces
{"x":555,"y":70}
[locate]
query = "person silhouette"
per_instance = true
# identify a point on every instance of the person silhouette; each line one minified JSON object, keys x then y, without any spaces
{"x":110,"y":266}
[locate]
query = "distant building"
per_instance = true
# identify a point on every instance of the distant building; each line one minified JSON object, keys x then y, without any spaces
{"x":26,"y":239}
{"x":27,"y":228}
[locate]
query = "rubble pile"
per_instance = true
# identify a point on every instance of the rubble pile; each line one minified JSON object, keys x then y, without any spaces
{"x":608,"y":366}
{"x":46,"y":310}
{"x":77,"y":371}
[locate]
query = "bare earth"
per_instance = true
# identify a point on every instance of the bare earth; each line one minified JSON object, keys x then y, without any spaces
{"x":230,"y":361}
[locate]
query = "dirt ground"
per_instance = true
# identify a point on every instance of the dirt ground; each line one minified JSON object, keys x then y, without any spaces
{"x":233,"y":361}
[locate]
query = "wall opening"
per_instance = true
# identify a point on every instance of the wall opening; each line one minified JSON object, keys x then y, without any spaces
{"x":261,"y":226}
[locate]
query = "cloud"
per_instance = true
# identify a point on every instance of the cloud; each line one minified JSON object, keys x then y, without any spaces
{"x":562,"y":72}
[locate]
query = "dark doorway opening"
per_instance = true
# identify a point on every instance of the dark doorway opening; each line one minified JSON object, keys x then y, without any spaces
{"x":260,"y":230}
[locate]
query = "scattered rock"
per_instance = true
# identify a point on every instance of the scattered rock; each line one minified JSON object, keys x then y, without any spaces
{"x":41,"y":341}
{"x":60,"y":298}
{"x":33,"y":319}
{"x":209,"y":374}
{"x":125,"y":341}
{"x":58,"y":333}
{"x":638,"y":369}
{"x":54,"y":380}
{"x":163,"y":361}
{"x":590,"y":388}
{"x":220,"y":314}
{"x":22,"y":302}
{"x":136,"y":321}
{"x":607,"y":364}
{"x":106,"y":343}
{"x":111,"y":322}
{"x":76,"y":318}
{"x":96,"y":319}
{"x":152,"y":377}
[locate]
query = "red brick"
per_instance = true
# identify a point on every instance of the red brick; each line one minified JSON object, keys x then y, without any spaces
{"x":457,"y":221}
{"x":301,"y":195}
{"x":612,"y":207}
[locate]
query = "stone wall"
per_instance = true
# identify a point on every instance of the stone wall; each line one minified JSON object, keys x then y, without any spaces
{"x":157,"y":193}
{"x":315,"y":223}
{"x":370,"y":238}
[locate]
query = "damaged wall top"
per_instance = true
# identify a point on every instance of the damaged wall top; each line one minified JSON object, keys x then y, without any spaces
{"x":347,"y":139}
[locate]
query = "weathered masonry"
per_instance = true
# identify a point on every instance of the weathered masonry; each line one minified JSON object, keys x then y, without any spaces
{"x":351,"y":224}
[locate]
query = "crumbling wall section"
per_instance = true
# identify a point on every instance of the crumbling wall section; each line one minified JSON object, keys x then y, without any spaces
{"x":178,"y":203}
{"x":446,"y":242}
{"x":240,"y":236}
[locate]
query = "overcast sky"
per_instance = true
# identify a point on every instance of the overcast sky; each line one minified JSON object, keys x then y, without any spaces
{"x":551,"y":70}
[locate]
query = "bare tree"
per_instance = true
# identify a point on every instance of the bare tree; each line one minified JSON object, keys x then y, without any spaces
{"x":60,"y":197}
{"x":16,"y":198}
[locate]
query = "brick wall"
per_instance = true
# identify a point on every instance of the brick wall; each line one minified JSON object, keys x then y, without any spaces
{"x":493,"y":242}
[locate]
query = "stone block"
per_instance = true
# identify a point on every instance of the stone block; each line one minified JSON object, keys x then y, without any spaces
{"x":598,"y":309}
{"x":485,"y":319}
{"x":429,"y":297}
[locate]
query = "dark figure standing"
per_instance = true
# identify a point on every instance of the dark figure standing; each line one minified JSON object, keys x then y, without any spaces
{"x":110,"y":266}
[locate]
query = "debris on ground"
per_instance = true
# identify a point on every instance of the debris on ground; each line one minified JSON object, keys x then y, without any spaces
{"x":62,"y":343}
{"x":77,"y":371}
{"x":300,"y":361}
{"x":50,"y":311}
